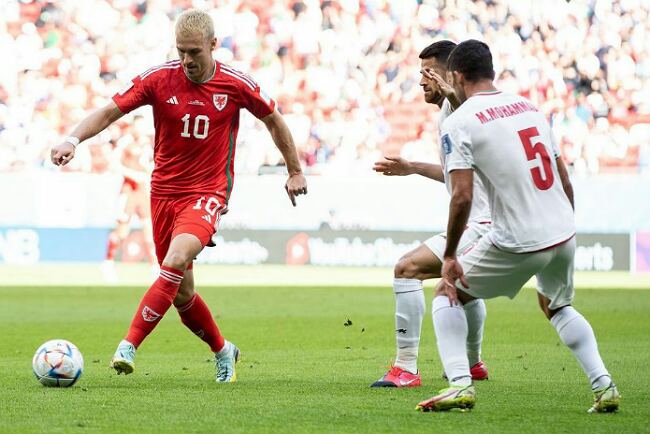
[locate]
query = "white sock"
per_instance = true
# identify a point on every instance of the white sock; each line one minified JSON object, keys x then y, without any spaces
{"x":576,"y":333}
{"x":476,"y":313}
{"x":225,"y":350}
{"x":450,"y":325}
{"x":409,"y":311}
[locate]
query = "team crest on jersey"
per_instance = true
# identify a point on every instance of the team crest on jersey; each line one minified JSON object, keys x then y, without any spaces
{"x":220,"y":100}
{"x":446,"y":144}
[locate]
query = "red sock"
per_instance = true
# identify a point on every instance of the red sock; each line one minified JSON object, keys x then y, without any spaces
{"x":154,"y":304}
{"x":196,"y":315}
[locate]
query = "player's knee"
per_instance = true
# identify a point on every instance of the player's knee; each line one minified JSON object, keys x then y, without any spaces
{"x":551,"y":312}
{"x":177,"y":260}
{"x":406,"y":268}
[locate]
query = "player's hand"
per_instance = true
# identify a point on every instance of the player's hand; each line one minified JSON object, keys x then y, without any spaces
{"x":452,"y":271}
{"x":445,"y":88}
{"x":393,"y":166}
{"x":61,"y":154}
{"x":295,"y":186}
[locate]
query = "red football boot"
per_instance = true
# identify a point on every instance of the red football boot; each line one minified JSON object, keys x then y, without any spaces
{"x":479,"y":372}
{"x":398,"y":377}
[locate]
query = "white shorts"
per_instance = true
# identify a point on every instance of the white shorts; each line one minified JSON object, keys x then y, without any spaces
{"x":470,"y":238}
{"x":491,"y":272}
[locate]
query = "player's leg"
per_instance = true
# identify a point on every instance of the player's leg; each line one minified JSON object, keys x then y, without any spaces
{"x":200,"y":217}
{"x":143,"y":211}
{"x":475,"y":310}
{"x":555,"y":285}
{"x":154,"y":301}
{"x":118,"y":234}
{"x":196,"y":315}
{"x":450,"y":326}
{"x":489,"y":273}
{"x":414,"y":267}
{"x":158,"y":298}
{"x":115,"y":239}
{"x":418,"y":265}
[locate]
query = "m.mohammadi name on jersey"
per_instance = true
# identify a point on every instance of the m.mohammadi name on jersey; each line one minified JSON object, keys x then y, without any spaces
{"x":505,"y":111}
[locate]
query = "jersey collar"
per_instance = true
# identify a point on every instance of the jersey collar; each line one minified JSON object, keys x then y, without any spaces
{"x":214,"y":72}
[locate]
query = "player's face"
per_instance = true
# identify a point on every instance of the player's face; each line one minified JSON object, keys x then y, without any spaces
{"x":432,"y":94}
{"x":195,"y":53}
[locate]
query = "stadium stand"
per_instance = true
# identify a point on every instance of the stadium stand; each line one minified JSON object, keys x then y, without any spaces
{"x":344,"y":72}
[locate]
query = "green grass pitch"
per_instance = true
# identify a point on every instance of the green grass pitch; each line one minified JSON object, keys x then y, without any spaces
{"x":303,"y":370}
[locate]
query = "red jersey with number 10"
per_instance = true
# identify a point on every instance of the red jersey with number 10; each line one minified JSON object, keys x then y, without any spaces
{"x":196,"y":125}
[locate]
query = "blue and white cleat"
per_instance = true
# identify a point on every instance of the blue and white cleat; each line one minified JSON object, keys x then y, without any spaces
{"x":225,"y":361}
{"x":606,"y":400}
{"x":123,"y":359}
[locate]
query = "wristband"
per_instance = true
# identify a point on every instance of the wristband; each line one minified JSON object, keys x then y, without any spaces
{"x":74,"y":141}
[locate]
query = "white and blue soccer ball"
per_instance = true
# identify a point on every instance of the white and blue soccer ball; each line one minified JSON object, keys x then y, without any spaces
{"x":58,"y":363}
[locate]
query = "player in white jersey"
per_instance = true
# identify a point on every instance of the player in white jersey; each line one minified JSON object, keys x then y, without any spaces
{"x":506,"y":142}
{"x":425,"y":261}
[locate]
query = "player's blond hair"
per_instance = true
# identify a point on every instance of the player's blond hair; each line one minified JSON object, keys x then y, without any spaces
{"x":193,"y":21}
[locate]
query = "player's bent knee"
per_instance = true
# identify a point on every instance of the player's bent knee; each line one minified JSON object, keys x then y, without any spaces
{"x":177,"y":260}
{"x":406,"y":268}
{"x":551,"y":312}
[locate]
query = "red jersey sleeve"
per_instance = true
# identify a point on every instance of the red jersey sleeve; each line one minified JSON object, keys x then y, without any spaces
{"x":255,"y":100}
{"x":135,"y":94}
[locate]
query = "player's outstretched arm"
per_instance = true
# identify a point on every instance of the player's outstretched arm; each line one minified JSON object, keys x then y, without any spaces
{"x":296,"y":184}
{"x":94,"y":123}
{"x":397,"y":166}
{"x":566,"y":182}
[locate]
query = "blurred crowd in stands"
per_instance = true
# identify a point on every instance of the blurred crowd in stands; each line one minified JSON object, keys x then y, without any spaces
{"x":344,"y":72}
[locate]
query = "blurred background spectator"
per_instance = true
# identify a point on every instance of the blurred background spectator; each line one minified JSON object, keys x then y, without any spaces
{"x":345,"y":73}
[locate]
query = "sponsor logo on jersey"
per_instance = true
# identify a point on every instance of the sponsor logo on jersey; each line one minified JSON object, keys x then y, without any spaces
{"x":220,"y":100}
{"x":446,"y":144}
{"x":196,"y":102}
{"x":172,"y":100}
{"x":126,"y":88}
{"x":149,"y":315}
{"x":207,"y":218}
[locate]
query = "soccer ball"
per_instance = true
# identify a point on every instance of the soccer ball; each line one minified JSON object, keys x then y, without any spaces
{"x":58,"y":363}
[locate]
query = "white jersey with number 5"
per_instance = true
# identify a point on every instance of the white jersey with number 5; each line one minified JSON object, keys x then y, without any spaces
{"x":480,"y":212}
{"x":510,"y":146}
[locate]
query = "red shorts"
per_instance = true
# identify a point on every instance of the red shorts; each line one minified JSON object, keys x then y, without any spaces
{"x":196,"y":214}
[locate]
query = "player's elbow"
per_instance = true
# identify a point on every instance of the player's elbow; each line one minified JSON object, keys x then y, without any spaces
{"x":461,"y":199}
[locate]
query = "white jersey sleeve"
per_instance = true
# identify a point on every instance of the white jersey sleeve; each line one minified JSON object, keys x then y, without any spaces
{"x":510,"y":146}
{"x":480,"y":212}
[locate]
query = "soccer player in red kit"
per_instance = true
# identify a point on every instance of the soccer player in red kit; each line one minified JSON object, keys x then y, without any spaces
{"x":134,"y":161}
{"x":196,"y":103}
